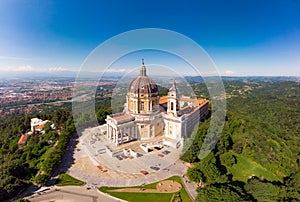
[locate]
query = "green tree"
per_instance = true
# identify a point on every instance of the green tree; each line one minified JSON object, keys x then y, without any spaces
{"x":262,"y":191}
{"x":42,"y":179}
{"x":221,"y":192}
{"x":101,"y":115}
{"x":195,"y":175}
{"x":228,"y":159}
{"x":212,"y":174}
{"x":21,"y":200}
{"x":47,"y":127}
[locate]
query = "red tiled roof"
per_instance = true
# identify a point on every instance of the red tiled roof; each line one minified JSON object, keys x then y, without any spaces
{"x":202,"y":101}
{"x":41,"y":126}
{"x":187,"y":99}
{"x":163,"y":99}
{"x":122,"y":117}
{"x":23,"y":139}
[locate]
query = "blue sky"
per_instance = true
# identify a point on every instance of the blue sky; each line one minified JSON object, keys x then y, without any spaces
{"x":243,"y":37}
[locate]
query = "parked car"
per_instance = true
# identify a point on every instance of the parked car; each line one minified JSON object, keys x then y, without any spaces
{"x":154,"y":168}
{"x":119,"y":157}
{"x":166,"y":152}
{"x":160,"y":155}
{"x":144,"y":172}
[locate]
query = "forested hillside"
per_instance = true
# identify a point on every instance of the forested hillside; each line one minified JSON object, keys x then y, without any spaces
{"x":257,"y":156}
{"x":34,"y":162}
{"x":22,"y":165}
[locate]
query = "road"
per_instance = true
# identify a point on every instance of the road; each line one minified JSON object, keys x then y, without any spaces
{"x":74,"y":194}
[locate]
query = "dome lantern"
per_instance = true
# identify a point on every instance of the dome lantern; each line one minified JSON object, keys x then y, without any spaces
{"x":143,"y":69}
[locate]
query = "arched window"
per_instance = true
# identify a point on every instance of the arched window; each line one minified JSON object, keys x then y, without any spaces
{"x":172,"y":105}
{"x":142,"y":106}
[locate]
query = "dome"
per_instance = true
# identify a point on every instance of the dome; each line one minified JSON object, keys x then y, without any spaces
{"x":143,"y":84}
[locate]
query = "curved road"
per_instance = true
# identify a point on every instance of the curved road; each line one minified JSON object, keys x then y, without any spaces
{"x":74,"y":194}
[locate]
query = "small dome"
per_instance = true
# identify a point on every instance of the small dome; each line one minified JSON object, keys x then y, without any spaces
{"x":143,"y":84}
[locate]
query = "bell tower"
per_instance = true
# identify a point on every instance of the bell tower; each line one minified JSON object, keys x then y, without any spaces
{"x":173,"y":100}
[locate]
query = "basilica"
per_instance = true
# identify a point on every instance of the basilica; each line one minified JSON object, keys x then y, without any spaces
{"x":147,"y":116}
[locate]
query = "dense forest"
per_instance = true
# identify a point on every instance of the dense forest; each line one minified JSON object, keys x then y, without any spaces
{"x":34,"y":162}
{"x":257,"y":157}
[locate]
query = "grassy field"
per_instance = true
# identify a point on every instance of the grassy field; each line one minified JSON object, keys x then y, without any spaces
{"x":67,"y":180}
{"x":246,"y":167}
{"x":138,"y":197}
{"x":157,"y":197}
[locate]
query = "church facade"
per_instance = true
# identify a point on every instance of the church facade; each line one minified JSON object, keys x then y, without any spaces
{"x":147,"y":116}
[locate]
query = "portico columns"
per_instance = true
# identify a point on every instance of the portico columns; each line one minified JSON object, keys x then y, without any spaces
{"x":117,"y":136}
{"x":107,"y":129}
{"x":131,"y":132}
{"x":149,"y":131}
{"x":122,"y":137}
{"x":136,"y":132}
{"x":110,"y":132}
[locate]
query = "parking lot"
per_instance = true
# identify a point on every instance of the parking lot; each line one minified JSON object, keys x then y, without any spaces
{"x":158,"y":159}
{"x":125,"y":172}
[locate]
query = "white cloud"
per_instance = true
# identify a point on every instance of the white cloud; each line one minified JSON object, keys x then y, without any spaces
{"x":23,"y":68}
{"x":112,"y":70}
{"x":57,"y":69}
{"x":29,"y":68}
{"x":26,"y":68}
{"x":116,"y":70}
{"x":229,"y":72}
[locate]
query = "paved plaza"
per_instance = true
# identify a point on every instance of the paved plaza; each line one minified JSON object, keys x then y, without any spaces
{"x":126,"y":172}
{"x":93,"y":140}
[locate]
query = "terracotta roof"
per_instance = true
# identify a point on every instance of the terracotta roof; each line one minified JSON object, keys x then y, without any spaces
{"x":122,"y":117}
{"x":23,"y":139}
{"x":187,"y":99}
{"x":41,"y":126}
{"x":163,"y":99}
{"x":198,"y":103}
{"x":202,"y":101}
